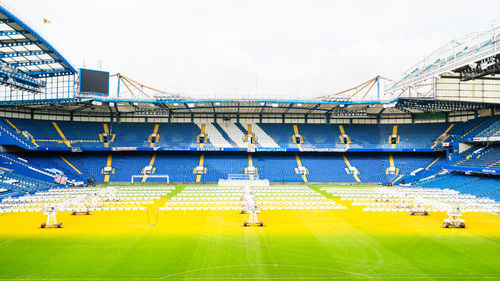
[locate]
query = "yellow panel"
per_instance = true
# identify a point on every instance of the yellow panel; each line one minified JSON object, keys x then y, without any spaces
{"x":341,"y":128}
{"x":296,"y":131}
{"x":435,"y":160}
{"x":445,"y":133}
{"x":349,"y":165}
{"x":110,"y":159}
{"x":200,"y":163}
{"x":202,"y":132}
{"x":346,"y":161}
{"x":394,"y":132}
{"x":155,"y":131}
{"x":342,"y":131}
{"x":299,"y":163}
{"x":108,"y":164}
{"x":396,"y":179}
{"x":151,"y":163}
{"x":13,"y":126}
{"x":71,"y":165}
{"x":61,"y":134}
{"x":304,"y":178}
{"x":202,"y":159}
{"x":357,"y":178}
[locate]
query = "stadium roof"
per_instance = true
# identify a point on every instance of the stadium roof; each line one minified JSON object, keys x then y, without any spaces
{"x":23,"y":49}
{"x":473,"y":49}
{"x":26,"y":56}
{"x":251,"y":107}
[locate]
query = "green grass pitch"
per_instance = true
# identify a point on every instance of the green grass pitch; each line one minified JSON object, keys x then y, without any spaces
{"x":211,"y":245}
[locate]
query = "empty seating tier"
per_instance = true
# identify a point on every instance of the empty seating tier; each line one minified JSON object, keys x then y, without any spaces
{"x":185,"y":136}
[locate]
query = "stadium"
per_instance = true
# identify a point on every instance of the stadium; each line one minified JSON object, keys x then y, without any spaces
{"x":103,"y":177}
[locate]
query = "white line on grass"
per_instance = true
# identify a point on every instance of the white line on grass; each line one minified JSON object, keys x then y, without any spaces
{"x":260,"y":278}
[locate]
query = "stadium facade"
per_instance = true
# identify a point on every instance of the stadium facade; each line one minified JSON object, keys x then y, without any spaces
{"x":438,"y":126}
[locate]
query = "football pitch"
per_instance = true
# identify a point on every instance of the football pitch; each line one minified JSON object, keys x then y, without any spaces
{"x":212,"y":245}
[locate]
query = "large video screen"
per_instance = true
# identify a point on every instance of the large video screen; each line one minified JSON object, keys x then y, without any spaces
{"x":94,"y":82}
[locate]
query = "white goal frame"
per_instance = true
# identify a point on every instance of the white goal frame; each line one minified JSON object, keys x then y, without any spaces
{"x":242,"y":180}
{"x":149,"y":176}
{"x":241,"y":177}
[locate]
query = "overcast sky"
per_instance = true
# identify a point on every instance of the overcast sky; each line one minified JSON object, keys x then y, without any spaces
{"x":287,"y":48}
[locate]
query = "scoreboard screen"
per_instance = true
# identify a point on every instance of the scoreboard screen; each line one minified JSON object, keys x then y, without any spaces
{"x":94,"y":82}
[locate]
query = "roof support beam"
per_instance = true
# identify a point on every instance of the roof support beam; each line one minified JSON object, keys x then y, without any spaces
{"x":380,"y":112}
{"x":23,"y":54}
{"x":314,"y":108}
{"x":405,"y":110}
{"x":241,"y":107}
{"x":83,"y":107}
{"x":10,"y":33}
{"x":29,"y":63}
{"x":15,"y":44}
{"x":50,"y":73}
{"x":262,"y":110}
{"x":188,"y":108}
{"x":331,"y":110}
{"x":286,"y":110}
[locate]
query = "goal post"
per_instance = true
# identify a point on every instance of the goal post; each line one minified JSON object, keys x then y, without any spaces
{"x":243,"y":180}
{"x":241,"y":177}
{"x":138,"y":178}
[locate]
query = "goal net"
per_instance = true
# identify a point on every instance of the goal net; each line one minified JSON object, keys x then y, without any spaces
{"x":241,"y":177}
{"x":149,"y":178}
{"x":243,"y":180}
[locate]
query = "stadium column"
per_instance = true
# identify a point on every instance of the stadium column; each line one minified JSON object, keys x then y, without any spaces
{"x":394,"y":133}
{"x":151,"y":163}
{"x":356,"y":177}
{"x":299,"y":164}
{"x":65,"y":140}
{"x":108,"y":164}
{"x":155,"y":131}
{"x":296,"y":133}
{"x":202,"y":159}
{"x":437,"y":141}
